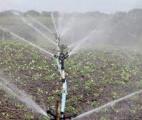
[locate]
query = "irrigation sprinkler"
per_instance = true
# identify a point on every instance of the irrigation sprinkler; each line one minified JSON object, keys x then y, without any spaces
{"x":59,"y":113}
{"x":61,"y":56}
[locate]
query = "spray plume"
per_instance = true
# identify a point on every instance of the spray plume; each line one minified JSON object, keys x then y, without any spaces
{"x":30,"y":43}
{"x":36,"y":29}
{"x":12,"y":90}
{"x":41,"y":24}
{"x":110,"y":104}
{"x":79,"y":43}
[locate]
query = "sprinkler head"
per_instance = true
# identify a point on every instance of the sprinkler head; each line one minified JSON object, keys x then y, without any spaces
{"x":63,"y":56}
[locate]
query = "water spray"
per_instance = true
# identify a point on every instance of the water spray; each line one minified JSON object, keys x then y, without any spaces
{"x":22,"y":96}
{"x":26,"y":41}
{"x":107,"y":105}
{"x":41,"y":24}
{"x":34,"y":27}
{"x":77,"y":45}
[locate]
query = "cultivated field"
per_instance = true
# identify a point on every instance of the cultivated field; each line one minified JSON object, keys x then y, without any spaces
{"x":95,"y":77}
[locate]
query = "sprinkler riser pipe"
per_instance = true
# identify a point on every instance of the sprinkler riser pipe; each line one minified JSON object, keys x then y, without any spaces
{"x":63,"y":97}
{"x":60,"y":59}
{"x":63,"y":75}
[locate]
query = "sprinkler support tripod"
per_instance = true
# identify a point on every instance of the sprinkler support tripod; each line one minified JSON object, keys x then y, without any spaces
{"x":61,"y":104}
